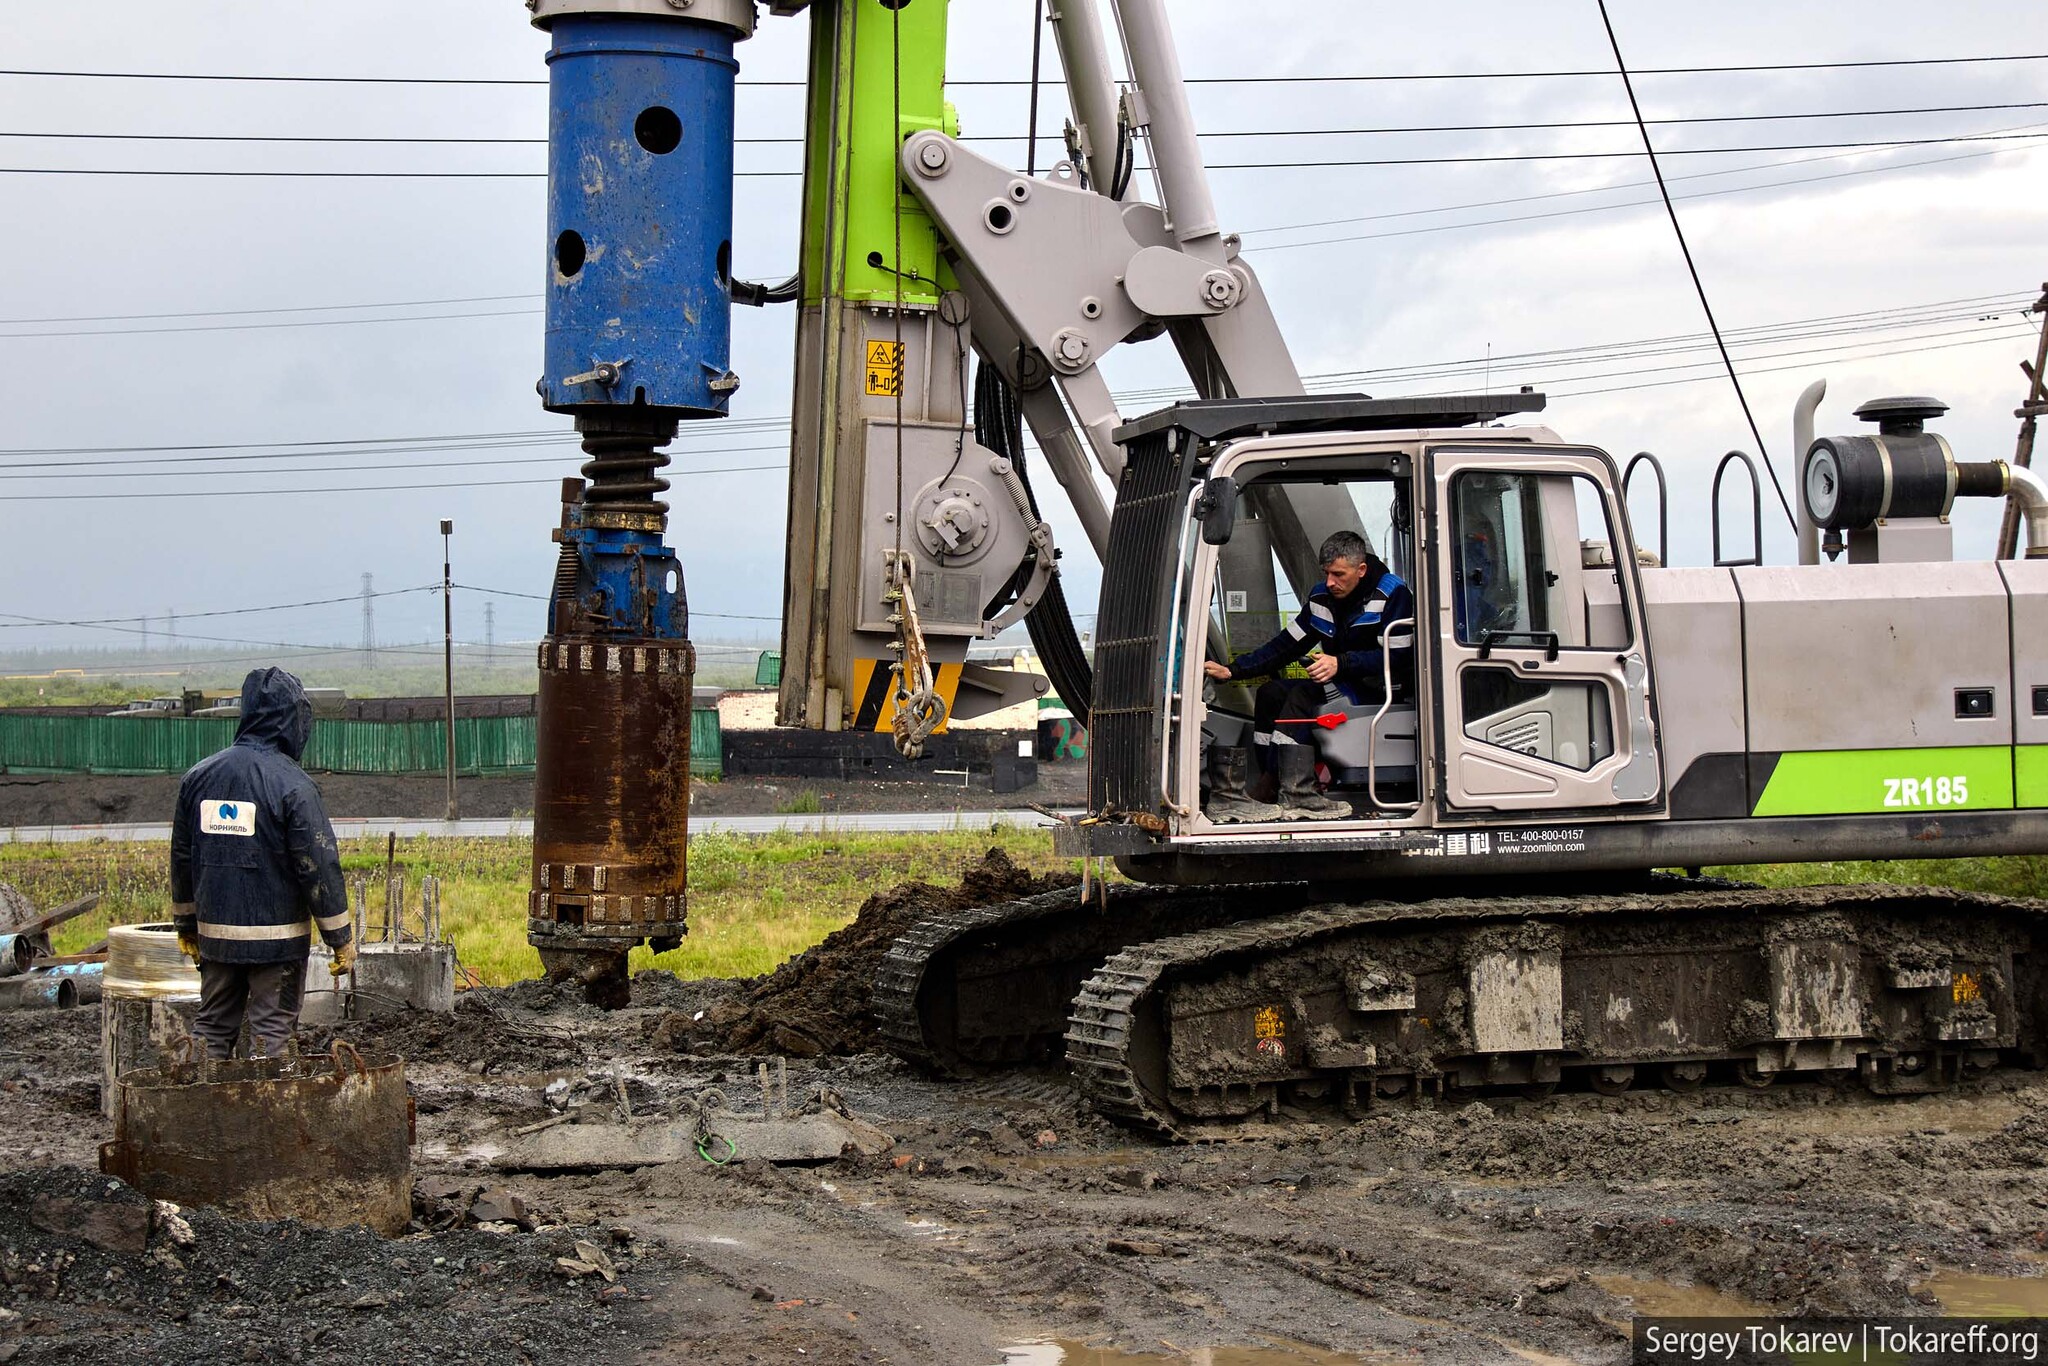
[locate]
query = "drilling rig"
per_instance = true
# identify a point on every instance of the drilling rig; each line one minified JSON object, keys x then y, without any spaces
{"x":1561,"y":712}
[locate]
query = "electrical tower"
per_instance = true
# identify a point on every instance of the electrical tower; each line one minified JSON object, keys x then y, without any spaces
{"x":490,"y":635}
{"x":369,"y":625}
{"x":143,"y":622}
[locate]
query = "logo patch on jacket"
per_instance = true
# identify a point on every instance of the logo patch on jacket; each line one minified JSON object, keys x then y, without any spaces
{"x":227,"y":818}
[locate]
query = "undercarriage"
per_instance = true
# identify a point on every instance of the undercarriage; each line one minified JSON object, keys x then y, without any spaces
{"x":1185,"y":1011}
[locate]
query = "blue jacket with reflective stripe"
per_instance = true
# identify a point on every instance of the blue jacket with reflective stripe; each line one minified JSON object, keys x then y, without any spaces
{"x":253,"y":857}
{"x":1347,"y":629}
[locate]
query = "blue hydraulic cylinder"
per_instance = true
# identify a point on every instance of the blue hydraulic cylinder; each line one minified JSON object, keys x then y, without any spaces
{"x":640,"y":184}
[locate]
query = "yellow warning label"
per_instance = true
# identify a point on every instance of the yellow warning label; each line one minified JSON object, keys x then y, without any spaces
{"x":885,"y":368}
{"x":1267,"y":1023}
{"x":1966,"y":988}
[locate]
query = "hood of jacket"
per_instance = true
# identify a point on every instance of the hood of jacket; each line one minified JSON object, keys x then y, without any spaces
{"x":275,"y":712}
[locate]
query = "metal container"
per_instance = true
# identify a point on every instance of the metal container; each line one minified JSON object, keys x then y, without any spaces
{"x":326,"y":1139}
{"x":149,"y":997}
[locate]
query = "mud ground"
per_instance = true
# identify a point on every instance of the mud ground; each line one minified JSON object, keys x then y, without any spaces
{"x":1497,"y":1230}
{"x":88,"y":799}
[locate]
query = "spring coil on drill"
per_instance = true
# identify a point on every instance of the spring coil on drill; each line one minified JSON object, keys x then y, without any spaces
{"x":621,"y":470}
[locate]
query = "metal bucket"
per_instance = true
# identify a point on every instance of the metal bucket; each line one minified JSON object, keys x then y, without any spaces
{"x":150,"y":995}
{"x":324,"y":1138}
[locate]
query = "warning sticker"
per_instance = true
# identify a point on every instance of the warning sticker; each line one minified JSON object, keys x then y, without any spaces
{"x":885,"y":368}
{"x":1269,"y":1032}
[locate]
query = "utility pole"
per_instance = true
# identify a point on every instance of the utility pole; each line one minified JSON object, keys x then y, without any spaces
{"x":170,"y":628}
{"x":448,"y":656}
{"x":143,"y":622}
{"x":490,"y":636}
{"x":369,"y":625}
{"x":2029,"y":414}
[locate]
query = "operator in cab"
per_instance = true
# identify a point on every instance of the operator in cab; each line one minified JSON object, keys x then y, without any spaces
{"x":254,"y":869}
{"x":1342,"y":622}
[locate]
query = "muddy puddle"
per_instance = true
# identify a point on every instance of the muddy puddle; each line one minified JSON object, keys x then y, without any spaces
{"x":1665,"y":1300}
{"x":1970,"y":1294}
{"x":1081,"y":1354}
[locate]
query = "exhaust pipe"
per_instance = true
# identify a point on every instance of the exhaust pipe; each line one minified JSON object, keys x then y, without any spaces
{"x":1802,"y":441}
{"x":2029,"y":492}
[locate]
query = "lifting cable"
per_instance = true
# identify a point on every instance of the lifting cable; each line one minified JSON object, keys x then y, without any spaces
{"x":1699,"y":288}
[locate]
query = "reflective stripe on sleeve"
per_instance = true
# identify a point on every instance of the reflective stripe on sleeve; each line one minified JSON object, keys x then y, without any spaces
{"x":339,"y":921}
{"x":297,"y":930}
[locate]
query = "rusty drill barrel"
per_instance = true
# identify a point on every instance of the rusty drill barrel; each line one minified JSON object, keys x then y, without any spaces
{"x":611,"y":805}
{"x":326,"y":1139}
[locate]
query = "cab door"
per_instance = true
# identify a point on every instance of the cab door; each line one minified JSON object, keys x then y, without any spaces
{"x":1542,"y":687}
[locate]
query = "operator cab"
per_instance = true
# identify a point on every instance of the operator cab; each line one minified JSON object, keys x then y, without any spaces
{"x":1518,"y":681}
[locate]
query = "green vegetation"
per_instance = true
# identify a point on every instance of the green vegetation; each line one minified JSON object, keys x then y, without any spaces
{"x":804,"y":803}
{"x":2020,"y":876}
{"x":754,"y":900}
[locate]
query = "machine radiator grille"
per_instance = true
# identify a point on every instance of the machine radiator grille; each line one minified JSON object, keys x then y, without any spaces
{"x":1132,"y":646}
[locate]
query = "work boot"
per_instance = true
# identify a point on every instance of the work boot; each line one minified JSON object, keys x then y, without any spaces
{"x":1228,"y":802}
{"x":1299,"y":798}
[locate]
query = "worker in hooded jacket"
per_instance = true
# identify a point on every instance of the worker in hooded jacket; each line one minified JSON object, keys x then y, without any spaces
{"x":254,"y":870}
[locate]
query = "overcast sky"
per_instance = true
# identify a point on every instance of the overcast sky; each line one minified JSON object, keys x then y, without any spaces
{"x":1371,"y":268}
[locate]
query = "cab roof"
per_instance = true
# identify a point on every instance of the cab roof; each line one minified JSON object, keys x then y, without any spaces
{"x":1224,"y":419}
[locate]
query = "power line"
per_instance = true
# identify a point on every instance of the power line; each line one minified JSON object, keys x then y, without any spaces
{"x":1699,"y":287}
{"x":54,"y":470}
{"x":261,"y":327}
{"x":1613,"y":208}
{"x":1893,"y":317}
{"x":1284,"y":246}
{"x":424,"y":442}
{"x":360,"y":488}
{"x":363,"y":596}
{"x":305,"y":308}
{"x":542,"y":597}
{"x":22,"y":619}
{"x":1192,"y":80}
{"x":371,"y":140}
{"x":1331,"y":164}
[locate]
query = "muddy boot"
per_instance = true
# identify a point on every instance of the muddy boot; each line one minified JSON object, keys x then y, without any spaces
{"x":1228,"y":802}
{"x":1299,"y":799}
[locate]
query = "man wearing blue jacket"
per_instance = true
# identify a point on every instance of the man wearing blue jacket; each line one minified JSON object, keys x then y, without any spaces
{"x":1344,"y":615}
{"x":254,"y":867}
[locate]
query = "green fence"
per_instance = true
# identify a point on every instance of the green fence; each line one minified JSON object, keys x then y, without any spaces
{"x":484,"y":745}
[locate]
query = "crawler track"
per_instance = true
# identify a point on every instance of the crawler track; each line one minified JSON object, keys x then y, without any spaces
{"x":991,"y":986}
{"x":1223,"y":1018}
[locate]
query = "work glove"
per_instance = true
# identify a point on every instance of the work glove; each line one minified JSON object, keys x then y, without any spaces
{"x":344,"y":960}
{"x":188,"y":944}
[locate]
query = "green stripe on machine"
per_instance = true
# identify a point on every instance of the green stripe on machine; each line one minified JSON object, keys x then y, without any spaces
{"x":1854,"y":781}
{"x":2030,"y":775}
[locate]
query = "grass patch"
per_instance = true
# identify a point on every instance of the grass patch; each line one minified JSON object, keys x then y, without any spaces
{"x":2025,"y":875}
{"x":804,"y":803}
{"x":754,"y":899}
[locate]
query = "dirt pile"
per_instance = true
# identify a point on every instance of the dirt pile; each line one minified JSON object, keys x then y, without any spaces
{"x":96,"y":1272}
{"x":821,"y":1001}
